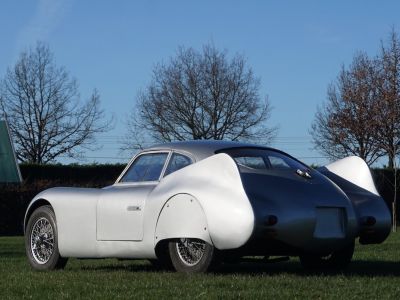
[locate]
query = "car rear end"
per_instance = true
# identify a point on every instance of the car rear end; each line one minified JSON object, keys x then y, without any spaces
{"x":297,"y":209}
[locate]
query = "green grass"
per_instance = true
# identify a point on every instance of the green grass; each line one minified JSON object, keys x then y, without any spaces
{"x":374,"y":273}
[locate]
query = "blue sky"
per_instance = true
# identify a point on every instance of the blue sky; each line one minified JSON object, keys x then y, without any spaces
{"x":295,"y":47}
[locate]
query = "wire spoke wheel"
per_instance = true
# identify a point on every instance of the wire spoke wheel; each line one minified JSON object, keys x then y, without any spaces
{"x":42,"y":240}
{"x":190,"y":251}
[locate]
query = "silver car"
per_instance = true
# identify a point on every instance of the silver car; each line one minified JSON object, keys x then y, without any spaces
{"x":191,"y":205}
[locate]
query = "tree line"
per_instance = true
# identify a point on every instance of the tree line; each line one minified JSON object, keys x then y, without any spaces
{"x":201,"y":94}
{"x":362,"y":113}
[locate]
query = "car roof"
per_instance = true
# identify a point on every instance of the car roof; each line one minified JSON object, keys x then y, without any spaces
{"x":201,"y":149}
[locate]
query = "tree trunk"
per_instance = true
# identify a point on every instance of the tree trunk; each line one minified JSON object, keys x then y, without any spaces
{"x":390,"y":161}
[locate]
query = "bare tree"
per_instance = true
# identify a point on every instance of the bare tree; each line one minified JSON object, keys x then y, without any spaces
{"x":389,"y":119}
{"x":389,"y":87}
{"x":41,"y":102}
{"x":202,"y":95}
{"x":347,"y":123}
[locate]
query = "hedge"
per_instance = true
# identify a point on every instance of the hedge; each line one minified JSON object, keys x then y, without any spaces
{"x":384,"y":181}
{"x":97,"y":175}
{"x":14,"y":199}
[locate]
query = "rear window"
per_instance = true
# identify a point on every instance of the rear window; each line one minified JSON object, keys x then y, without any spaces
{"x":177,"y":162}
{"x":262,"y":159}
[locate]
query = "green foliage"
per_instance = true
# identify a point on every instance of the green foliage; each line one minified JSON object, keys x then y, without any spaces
{"x":374,"y":273}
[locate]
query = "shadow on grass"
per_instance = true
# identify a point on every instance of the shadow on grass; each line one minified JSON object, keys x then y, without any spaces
{"x":375,"y":268}
{"x":361,"y":268}
{"x":128,"y":267}
{"x":368,"y":268}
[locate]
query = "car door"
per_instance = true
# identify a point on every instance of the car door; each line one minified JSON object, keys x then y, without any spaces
{"x":120,"y":208}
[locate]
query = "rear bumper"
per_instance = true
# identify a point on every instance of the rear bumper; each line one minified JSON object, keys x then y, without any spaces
{"x":320,"y":230}
{"x":323,"y":231}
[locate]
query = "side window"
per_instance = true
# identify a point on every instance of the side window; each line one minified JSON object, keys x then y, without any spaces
{"x":146,"y":167}
{"x":254,"y":162}
{"x":278,"y":163}
{"x":262,"y":159}
{"x":177,"y":161}
{"x":283,"y":162}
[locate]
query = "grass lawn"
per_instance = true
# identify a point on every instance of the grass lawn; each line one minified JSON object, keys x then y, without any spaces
{"x":374,"y":273}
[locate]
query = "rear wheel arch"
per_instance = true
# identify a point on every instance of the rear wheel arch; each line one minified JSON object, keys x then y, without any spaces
{"x":182,"y":216}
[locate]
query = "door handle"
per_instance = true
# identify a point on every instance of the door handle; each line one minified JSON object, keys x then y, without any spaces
{"x":133,"y":208}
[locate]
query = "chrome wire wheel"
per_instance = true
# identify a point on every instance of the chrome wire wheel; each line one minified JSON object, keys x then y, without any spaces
{"x":42,"y":240}
{"x":190,"y":251}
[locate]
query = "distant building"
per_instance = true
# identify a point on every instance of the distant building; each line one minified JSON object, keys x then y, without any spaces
{"x":9,"y":169}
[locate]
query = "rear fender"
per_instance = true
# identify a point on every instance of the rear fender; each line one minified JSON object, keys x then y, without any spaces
{"x":182,"y":217}
{"x":353,"y":176}
{"x":353,"y":169}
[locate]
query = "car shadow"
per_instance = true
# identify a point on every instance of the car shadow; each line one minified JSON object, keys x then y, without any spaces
{"x":128,"y":266}
{"x":362,"y":268}
{"x":366,"y":268}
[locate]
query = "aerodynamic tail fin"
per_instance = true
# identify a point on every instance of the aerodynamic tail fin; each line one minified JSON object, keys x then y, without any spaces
{"x":355,"y":170}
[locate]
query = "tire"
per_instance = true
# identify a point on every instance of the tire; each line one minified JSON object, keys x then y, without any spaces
{"x":41,"y":240}
{"x":191,"y":255}
{"x":339,"y":259}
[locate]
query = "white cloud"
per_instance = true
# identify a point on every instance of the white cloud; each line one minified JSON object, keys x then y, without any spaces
{"x":45,"y":19}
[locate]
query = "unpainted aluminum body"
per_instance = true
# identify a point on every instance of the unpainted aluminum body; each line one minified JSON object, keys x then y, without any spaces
{"x":215,"y":201}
